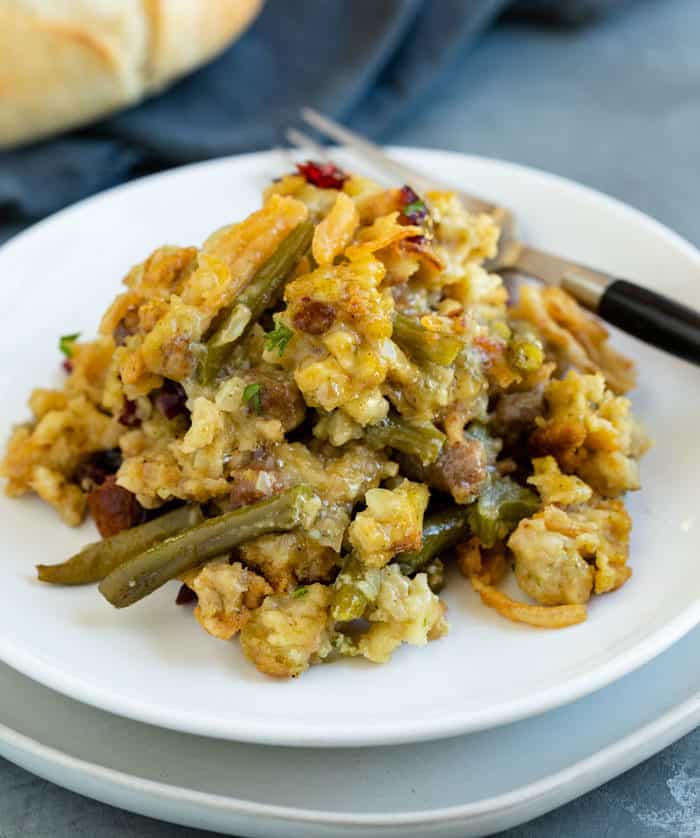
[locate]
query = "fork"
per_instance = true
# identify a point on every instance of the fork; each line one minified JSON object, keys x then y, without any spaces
{"x":646,"y":314}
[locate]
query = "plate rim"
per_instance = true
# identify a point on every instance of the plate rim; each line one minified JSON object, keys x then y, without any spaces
{"x":564,"y":692}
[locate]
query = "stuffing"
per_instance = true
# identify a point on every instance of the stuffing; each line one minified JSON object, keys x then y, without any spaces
{"x":167,"y":348}
{"x":227,"y":594}
{"x":314,"y":370}
{"x":341,"y":476}
{"x":590,"y":432}
{"x":561,"y":557}
{"x":159,"y":276}
{"x":317,"y":201}
{"x":416,"y":391}
{"x":555,"y":487}
{"x":289,"y":632}
{"x":43,"y":457}
{"x":461,"y":239}
{"x":90,"y":364}
{"x":289,"y":559}
{"x":65,"y":497}
{"x":406,"y":611}
{"x":548,"y":564}
{"x":337,"y":428}
{"x":391,"y":524}
{"x":341,"y":321}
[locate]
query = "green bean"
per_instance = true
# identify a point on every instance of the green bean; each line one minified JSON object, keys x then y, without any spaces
{"x":435,"y":571}
{"x":218,"y":348}
{"x":525,"y":353}
{"x":97,"y":560}
{"x":441,"y":531}
{"x":355,"y":588}
{"x":424,"y":344}
{"x":419,"y":438}
{"x":147,"y":571}
{"x":262,"y":292}
{"x":501,"y":505}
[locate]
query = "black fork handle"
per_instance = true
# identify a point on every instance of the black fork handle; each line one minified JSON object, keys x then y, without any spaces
{"x":653,"y":318}
{"x":646,"y":314}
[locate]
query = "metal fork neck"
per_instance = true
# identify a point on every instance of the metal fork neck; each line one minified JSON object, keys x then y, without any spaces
{"x":585,"y":284}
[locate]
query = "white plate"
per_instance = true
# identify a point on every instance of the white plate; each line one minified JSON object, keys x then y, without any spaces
{"x":152,"y":662}
{"x":468,"y":786}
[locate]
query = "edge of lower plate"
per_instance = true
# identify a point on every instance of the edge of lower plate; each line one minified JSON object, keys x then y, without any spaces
{"x":213,"y":811}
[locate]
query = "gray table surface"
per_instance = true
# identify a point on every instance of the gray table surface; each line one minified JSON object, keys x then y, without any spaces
{"x":616,"y":107}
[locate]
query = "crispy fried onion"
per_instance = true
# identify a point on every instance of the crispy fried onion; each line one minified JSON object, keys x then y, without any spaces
{"x":542,"y":616}
{"x":486,"y":568}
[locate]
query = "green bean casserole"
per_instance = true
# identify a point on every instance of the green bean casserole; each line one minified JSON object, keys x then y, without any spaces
{"x":306,"y":419}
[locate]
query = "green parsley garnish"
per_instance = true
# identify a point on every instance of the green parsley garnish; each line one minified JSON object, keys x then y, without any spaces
{"x":252,"y":394}
{"x":65,"y":344}
{"x":278,"y":338}
{"x":415,"y":206}
{"x":299,"y":592}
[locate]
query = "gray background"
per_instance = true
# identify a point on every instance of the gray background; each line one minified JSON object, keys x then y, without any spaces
{"x":616,"y":107}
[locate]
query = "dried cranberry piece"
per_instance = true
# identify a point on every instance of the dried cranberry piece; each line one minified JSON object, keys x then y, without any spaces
{"x":171,"y":399}
{"x":414,"y":211}
{"x":88,"y":474}
{"x":98,"y":466}
{"x":323,"y":175}
{"x":109,"y":460}
{"x":408,"y":195}
{"x":185,"y":596}
{"x":128,"y":416}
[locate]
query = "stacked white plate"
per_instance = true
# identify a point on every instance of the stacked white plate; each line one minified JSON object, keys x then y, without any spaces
{"x":172,"y":701}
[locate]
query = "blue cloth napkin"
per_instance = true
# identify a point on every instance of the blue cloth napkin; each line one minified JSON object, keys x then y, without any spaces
{"x":368,"y":63}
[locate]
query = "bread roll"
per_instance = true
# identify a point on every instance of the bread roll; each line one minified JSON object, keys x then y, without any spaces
{"x":66,"y":62}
